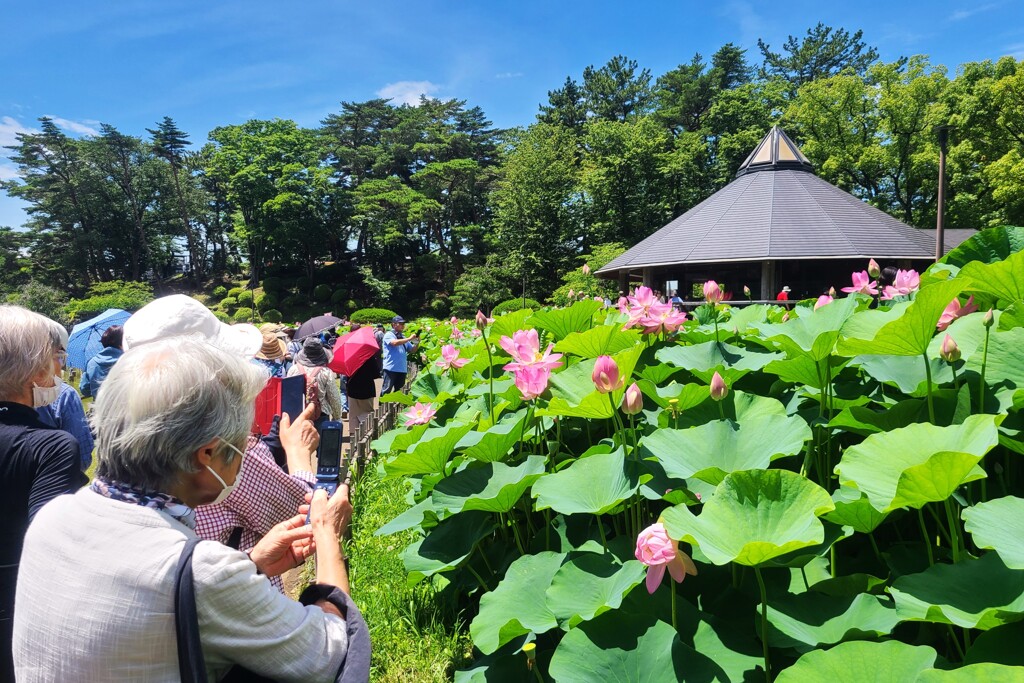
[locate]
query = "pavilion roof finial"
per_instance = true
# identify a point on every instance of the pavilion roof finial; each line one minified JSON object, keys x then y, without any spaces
{"x":775,"y":152}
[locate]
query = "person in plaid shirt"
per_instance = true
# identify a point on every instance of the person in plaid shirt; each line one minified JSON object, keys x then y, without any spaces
{"x":265,"y":494}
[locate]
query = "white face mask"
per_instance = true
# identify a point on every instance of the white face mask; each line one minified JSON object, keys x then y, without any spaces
{"x":44,"y":396}
{"x":226,"y":491}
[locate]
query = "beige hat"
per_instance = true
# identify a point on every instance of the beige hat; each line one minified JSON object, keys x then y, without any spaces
{"x":178,"y":315}
{"x":273,"y":348}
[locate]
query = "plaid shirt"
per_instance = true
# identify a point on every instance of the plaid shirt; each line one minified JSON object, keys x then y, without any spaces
{"x":265,"y":496}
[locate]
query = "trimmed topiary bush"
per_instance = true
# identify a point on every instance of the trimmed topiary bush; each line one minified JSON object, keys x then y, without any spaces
{"x":339,"y":296}
{"x":242,"y":315}
{"x":228,"y":302}
{"x":272,"y":284}
{"x":220,"y":291}
{"x":372,"y":315}
{"x":222,"y":316}
{"x":272,"y":316}
{"x":245,"y":297}
{"x":265,"y":300}
{"x":302,"y":284}
{"x":294,"y":301}
{"x":322,"y":293}
{"x":515,"y":305}
{"x":440,"y":307}
{"x":351,"y":305}
{"x":235,"y":291}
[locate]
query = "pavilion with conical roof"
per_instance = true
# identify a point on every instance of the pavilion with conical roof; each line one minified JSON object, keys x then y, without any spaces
{"x":776,"y":224}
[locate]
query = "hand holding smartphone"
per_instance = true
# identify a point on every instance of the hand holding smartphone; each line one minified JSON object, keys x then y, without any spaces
{"x":329,"y":469}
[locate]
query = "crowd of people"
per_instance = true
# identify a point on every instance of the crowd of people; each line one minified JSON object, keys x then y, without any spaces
{"x":167,"y":565}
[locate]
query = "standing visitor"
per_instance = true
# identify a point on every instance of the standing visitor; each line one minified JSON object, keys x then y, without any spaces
{"x":67,"y":412}
{"x":98,"y":367}
{"x":784,"y":295}
{"x":362,"y":390}
{"x":37,"y":463}
{"x":676,"y":301}
{"x":321,"y":382}
{"x":396,"y":347}
{"x":271,"y":355}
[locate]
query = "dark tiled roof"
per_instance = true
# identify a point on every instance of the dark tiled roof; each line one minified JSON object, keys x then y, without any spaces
{"x":778,"y":209}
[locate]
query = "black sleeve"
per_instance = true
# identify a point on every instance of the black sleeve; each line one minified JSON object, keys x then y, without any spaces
{"x":58,"y":469}
{"x":273,"y":442}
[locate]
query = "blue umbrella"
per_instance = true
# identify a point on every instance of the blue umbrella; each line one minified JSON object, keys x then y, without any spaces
{"x":84,"y":342}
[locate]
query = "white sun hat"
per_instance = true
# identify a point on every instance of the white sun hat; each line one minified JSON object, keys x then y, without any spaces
{"x":178,"y":315}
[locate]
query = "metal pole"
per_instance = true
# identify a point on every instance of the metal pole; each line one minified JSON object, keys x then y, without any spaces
{"x":943,"y":132}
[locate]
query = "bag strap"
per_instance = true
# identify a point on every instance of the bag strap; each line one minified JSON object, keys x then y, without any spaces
{"x":191,"y":664}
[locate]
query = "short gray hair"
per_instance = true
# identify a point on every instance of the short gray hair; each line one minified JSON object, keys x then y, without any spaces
{"x":164,"y":401}
{"x":27,"y":344}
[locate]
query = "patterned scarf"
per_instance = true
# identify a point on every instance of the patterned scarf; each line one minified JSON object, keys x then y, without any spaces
{"x":126,"y":493}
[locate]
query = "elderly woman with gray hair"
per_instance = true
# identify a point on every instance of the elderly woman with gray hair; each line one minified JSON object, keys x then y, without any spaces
{"x":37,"y":463}
{"x":114,"y":584}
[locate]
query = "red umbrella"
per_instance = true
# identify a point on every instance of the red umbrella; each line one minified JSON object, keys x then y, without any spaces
{"x":352,"y":350}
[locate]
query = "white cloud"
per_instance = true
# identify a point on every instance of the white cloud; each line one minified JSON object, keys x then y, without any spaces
{"x":407,"y":92}
{"x":962,"y":14}
{"x":80,"y":127}
{"x":509,"y":74}
{"x":1016,"y":50}
{"x":8,"y":172}
{"x":9,"y":128}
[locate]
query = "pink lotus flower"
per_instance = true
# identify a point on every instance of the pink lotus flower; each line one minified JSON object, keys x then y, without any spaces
{"x":656,"y":550}
{"x":642,"y":304}
{"x":532,"y":380}
{"x":450,"y":358}
{"x":524,"y":347}
{"x":457,"y":333}
{"x":662,"y":318}
{"x":862,"y":284}
{"x":482,"y":320}
{"x":718,"y":388}
{"x":419,"y":414}
{"x":623,"y":304}
{"x":606,"y":375}
{"x":954,"y":310}
{"x":905,"y":282}
{"x":475,"y":332}
{"x":873,"y":269}
{"x":585,"y":269}
{"x":713,"y":293}
{"x":572,"y":293}
{"x":823,"y":300}
{"x":632,"y":400}
{"x":949,"y":351}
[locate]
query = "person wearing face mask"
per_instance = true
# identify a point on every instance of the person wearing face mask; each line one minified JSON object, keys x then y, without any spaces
{"x":104,"y":572}
{"x":65,"y":410}
{"x":37,"y":463}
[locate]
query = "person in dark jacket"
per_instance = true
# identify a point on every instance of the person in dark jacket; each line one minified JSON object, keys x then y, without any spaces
{"x":362,"y":390}
{"x":98,"y":367}
{"x":37,"y":463}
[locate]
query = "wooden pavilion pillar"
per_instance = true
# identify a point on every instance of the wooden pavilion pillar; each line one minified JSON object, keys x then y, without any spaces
{"x":768,"y":280}
{"x":648,"y":275}
{"x":624,"y":281}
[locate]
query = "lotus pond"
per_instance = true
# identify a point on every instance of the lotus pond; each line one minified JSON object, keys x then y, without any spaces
{"x":833,"y":492}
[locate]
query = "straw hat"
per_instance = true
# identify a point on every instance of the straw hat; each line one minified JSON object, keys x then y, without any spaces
{"x":273,"y":348}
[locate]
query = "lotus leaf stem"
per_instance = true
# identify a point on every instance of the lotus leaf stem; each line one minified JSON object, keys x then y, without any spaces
{"x":764,"y":623}
{"x":490,"y":376}
{"x":673,"y":584}
{"x":515,"y":532}
{"x":956,"y":641}
{"x":981,"y":378}
{"x":928,"y":379}
{"x":954,"y":530}
{"x":940,"y":525}
{"x":476,"y":575}
{"x":927,"y":541}
{"x":600,"y":530}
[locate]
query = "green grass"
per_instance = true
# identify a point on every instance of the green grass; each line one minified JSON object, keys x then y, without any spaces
{"x":416,"y":635}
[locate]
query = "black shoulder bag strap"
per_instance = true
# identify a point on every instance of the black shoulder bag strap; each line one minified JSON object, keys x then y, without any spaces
{"x":191,"y":663}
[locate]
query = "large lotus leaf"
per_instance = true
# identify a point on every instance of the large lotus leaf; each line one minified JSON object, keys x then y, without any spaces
{"x":805,"y":370}
{"x":491,"y":486}
{"x":989,"y":673}
{"x":564,"y":321}
{"x":865,"y":421}
{"x":1005,"y":362}
{"x":754,"y":517}
{"x":422,"y":514}
{"x":738,"y":405}
{"x":397,"y":439}
{"x":999,"y":525}
{"x":918,"y":464}
{"x":518,"y":605}
{"x":703,"y":360}
{"x":988,"y":246}
{"x":594,"y":484}
{"x":430,"y":454}
{"x":811,"y":619}
{"x":686,"y":395}
{"x":1000,"y":645}
{"x":973,"y":593}
{"x":859,"y":661}
{"x":853,"y":509}
{"x":712,"y":450}
{"x":1002,"y":280}
{"x":434,"y":388}
{"x":447,"y":544}
{"x":506,"y":325}
{"x":573,"y":393}
{"x":1012,"y":316}
{"x":743,"y":317}
{"x":907,"y":373}
{"x":495,"y":443}
{"x":813,"y":334}
{"x":589,"y":584}
{"x":910,"y":334}
{"x":603,"y":340}
{"x":629,"y":648}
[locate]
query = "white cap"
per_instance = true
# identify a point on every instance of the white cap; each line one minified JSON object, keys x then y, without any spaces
{"x":178,"y":315}
{"x":786,"y":289}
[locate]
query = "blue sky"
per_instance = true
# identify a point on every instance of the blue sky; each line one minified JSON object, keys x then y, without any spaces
{"x":213,"y":62}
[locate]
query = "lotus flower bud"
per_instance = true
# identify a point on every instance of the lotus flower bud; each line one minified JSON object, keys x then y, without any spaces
{"x":606,"y":375}
{"x":481,"y":320}
{"x":633,"y":400}
{"x":718,"y":388}
{"x":832,"y":292}
{"x":746,"y":291}
{"x":585,"y":269}
{"x":713,"y":294}
{"x":785,"y":317}
{"x":988,"y":319}
{"x":949,"y":351}
{"x":873,"y":270}
{"x":572,"y":293}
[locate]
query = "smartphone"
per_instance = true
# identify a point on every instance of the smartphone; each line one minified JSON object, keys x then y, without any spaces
{"x":293,"y":393}
{"x":329,"y":469}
